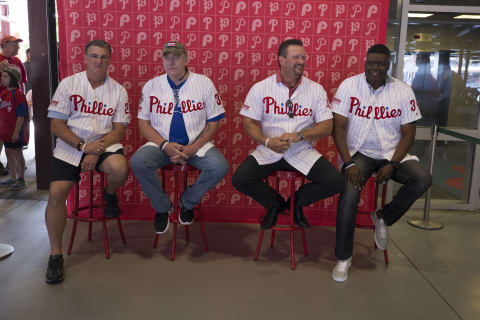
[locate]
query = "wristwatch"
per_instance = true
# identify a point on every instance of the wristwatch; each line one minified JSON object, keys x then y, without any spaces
{"x":300,"y":136}
{"x":394,"y":164}
{"x":80,"y":145}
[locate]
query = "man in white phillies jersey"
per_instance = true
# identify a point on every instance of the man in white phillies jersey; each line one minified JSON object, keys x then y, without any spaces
{"x":374,"y":127}
{"x":89,"y":113}
{"x":285,"y":113}
{"x":179,"y":113}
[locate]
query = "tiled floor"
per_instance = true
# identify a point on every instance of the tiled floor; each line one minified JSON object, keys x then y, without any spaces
{"x":432,"y":274}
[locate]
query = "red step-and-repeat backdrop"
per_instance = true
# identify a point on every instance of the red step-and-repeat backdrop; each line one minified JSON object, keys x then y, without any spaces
{"x":234,"y":43}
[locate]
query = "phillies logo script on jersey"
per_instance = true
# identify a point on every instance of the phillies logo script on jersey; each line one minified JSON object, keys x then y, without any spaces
{"x":380,"y":112}
{"x":187,"y":106}
{"x":95,"y":108}
{"x":272,"y":106}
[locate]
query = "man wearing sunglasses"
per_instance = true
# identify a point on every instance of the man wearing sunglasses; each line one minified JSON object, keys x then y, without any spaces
{"x":179,"y":113}
{"x":285,"y":113}
{"x":374,"y":128}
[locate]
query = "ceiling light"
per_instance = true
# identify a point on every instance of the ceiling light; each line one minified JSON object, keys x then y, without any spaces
{"x":467,"y":16}
{"x":419,"y":15}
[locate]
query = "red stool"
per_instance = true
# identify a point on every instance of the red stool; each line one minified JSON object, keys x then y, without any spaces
{"x":375,"y":206}
{"x":291,"y":176}
{"x":91,"y":218}
{"x":180,"y":170}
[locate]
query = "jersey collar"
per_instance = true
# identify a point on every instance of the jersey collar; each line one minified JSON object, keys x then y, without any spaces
{"x":279,"y":79}
{"x":379,"y":89}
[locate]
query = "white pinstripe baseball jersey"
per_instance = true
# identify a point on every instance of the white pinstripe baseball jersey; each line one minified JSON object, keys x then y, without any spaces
{"x":90,"y":112}
{"x":199,"y":101}
{"x":265,"y":102}
{"x":387,"y":109}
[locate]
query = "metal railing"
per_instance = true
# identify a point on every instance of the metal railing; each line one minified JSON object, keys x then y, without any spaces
{"x":426,"y":223}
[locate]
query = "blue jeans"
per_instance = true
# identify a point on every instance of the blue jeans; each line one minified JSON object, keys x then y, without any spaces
{"x":147,"y":160}
{"x":415,"y":179}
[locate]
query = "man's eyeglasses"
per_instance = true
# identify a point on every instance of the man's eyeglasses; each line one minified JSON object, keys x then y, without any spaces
{"x":95,"y":57}
{"x":290,"y":110}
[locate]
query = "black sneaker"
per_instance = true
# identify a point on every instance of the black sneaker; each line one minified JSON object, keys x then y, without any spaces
{"x":55,"y":269}
{"x":111,"y":210}
{"x":161,"y":222}
{"x":186,"y":216}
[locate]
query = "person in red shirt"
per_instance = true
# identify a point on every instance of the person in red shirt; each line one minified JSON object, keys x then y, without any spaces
{"x":10,"y":46}
{"x":14,"y":123}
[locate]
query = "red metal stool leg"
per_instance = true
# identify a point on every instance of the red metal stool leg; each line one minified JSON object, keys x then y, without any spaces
{"x":292,"y":248}
{"x":90,"y":177}
{"x":292,"y":222}
{"x":259,"y":244}
{"x":120,"y":229}
{"x":174,"y":241}
{"x":105,"y":239}
{"x":104,"y":219}
{"x":155,"y":241}
{"x":272,"y":239}
{"x":304,"y":240}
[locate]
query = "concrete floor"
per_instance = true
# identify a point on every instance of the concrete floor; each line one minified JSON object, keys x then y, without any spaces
{"x":432,"y":274}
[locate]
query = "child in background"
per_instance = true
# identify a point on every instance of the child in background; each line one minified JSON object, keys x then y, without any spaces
{"x":14,"y":127}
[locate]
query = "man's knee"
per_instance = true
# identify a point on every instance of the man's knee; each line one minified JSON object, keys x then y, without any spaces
{"x":424,"y":181}
{"x":240,"y":179}
{"x":58,"y":193}
{"x":349,"y":195}
{"x":217,"y":166}
{"x":117,"y":167}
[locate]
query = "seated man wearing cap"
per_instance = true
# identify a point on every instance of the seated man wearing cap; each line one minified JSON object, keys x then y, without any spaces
{"x":89,"y":113}
{"x":10,"y":46}
{"x":179,"y":113}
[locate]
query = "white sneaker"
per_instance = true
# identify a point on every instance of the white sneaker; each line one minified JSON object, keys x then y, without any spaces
{"x":340,"y":272}
{"x":381,"y":231}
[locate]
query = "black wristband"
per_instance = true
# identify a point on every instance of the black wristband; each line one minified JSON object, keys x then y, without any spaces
{"x":346,"y":164}
{"x":394,"y":164}
{"x":79,"y":145}
{"x":164,"y":142}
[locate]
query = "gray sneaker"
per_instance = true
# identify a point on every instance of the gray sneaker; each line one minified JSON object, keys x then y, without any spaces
{"x":18,"y":185}
{"x":340,"y":272}
{"x":7,"y":183}
{"x":381,"y":231}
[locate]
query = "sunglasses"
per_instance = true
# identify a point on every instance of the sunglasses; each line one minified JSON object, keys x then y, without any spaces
{"x":289,"y":105}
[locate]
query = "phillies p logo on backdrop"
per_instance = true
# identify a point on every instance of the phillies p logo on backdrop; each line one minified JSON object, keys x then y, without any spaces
{"x":233,"y":42}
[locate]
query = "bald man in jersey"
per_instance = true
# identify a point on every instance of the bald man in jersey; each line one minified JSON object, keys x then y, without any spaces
{"x":285,"y":113}
{"x":374,"y":128}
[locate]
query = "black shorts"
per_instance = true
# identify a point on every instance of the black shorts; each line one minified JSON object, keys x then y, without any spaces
{"x":16,"y":145}
{"x":64,"y":171}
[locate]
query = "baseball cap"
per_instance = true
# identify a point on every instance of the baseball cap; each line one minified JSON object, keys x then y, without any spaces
{"x":175,"y":47}
{"x":13,"y":72}
{"x":10,"y":38}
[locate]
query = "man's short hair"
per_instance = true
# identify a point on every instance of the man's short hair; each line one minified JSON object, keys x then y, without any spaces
{"x":28,"y":50}
{"x":379,"y":48}
{"x":99,"y":43}
{"x":282,"y":50}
